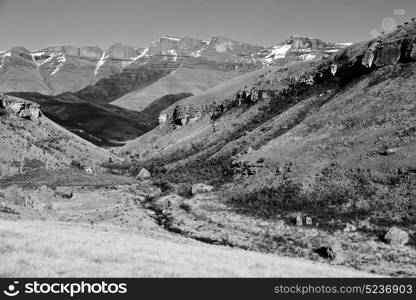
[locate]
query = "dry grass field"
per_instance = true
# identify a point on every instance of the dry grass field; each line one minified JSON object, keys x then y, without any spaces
{"x":55,"y":249}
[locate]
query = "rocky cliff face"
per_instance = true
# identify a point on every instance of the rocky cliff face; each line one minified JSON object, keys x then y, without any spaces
{"x":391,"y":49}
{"x":340,"y":68}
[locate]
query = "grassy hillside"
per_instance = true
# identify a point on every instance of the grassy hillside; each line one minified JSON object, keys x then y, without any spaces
{"x":183,"y":80}
{"x":101,"y":123}
{"x":27,"y":145}
{"x":332,"y":140}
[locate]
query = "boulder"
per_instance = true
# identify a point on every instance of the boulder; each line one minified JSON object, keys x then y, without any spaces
{"x":143,"y":174}
{"x":369,"y":56}
{"x":396,"y":237}
{"x":388,"y":151}
{"x":299,"y":220}
{"x":349,"y":228}
{"x":180,"y":116}
{"x":65,"y":192}
{"x":388,"y":54}
{"x":413,"y":53}
{"x":201,"y":188}
{"x":334,"y":69}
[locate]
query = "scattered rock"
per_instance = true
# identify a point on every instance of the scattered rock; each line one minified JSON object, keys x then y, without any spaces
{"x":143,"y":174}
{"x":365,"y":224}
{"x":334,"y":69}
{"x":280,"y":224}
{"x":261,"y":160}
{"x":5,"y":209}
{"x":298,"y":220}
{"x":396,"y":237}
{"x":249,"y":150}
{"x":89,"y":170}
{"x":201,"y":188}
{"x":388,"y":151}
{"x":65,"y":192}
{"x":308,"y":221}
{"x":350,"y":228}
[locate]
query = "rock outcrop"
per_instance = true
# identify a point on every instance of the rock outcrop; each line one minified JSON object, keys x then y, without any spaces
{"x":143,"y":174}
{"x":396,"y":47}
{"x":396,"y":237}
{"x":21,"y":108}
{"x":201,"y":188}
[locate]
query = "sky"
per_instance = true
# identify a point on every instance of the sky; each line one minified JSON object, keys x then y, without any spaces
{"x":35,"y":24}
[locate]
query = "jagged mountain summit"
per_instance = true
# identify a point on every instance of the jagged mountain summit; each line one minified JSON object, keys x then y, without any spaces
{"x":59,"y":69}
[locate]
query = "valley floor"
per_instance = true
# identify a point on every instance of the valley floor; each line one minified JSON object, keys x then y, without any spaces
{"x":112,"y":231}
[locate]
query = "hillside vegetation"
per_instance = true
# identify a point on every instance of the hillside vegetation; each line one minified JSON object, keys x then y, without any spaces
{"x":331,"y":140}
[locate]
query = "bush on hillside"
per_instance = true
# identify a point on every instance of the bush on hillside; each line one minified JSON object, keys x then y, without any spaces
{"x":184,"y":190}
{"x":165,"y":186}
{"x":15,"y":195}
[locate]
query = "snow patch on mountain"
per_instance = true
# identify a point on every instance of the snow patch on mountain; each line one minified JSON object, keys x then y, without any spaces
{"x":172,"y":38}
{"x":198,"y":53}
{"x":61,"y":60}
{"x":3,"y":57}
{"x":276,"y":53}
{"x":143,"y":54}
{"x":173,"y":53}
{"x":224,"y":46}
{"x":308,"y":56}
{"x":101,"y":62}
{"x":344,"y":44}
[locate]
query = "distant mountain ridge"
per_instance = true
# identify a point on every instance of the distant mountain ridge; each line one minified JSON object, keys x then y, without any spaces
{"x":57,"y":69}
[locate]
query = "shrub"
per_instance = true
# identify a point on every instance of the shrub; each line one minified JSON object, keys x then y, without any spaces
{"x":186,"y":207}
{"x":184,"y":190}
{"x":15,"y":195}
{"x":76,"y":164}
{"x":45,"y":194}
{"x":33,"y":163}
{"x":165,"y":186}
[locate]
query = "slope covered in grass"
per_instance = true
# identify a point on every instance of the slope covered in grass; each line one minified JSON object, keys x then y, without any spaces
{"x":27,"y":145}
{"x":333,"y":140}
{"x":183,"y":80}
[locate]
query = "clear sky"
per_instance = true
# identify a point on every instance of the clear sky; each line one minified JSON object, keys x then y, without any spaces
{"x":39,"y":23}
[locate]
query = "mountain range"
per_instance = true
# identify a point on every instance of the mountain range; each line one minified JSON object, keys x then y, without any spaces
{"x":111,"y":86}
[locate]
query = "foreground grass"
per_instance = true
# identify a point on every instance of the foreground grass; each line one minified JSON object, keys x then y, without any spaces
{"x":49,"y":249}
